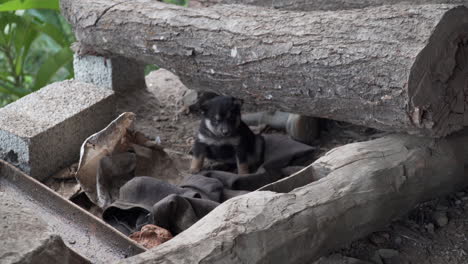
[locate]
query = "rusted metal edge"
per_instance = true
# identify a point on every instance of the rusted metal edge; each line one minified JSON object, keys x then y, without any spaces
{"x":81,"y":231}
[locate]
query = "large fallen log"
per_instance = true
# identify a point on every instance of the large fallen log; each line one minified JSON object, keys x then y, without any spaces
{"x":311,"y":5}
{"x":395,"y":68}
{"x":362,"y":187}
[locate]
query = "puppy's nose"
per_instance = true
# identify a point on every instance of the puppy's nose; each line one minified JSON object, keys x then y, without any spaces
{"x":225,"y":131}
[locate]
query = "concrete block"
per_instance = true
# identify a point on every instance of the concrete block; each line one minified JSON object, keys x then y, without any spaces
{"x":119,"y":74}
{"x":41,"y":133}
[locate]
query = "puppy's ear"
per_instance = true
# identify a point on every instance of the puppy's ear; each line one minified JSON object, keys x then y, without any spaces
{"x":204,"y":108}
{"x":238,"y":102}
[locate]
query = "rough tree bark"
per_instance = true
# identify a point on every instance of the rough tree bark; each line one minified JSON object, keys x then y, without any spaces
{"x":310,"y":5}
{"x":362,"y":187}
{"x":395,"y":68}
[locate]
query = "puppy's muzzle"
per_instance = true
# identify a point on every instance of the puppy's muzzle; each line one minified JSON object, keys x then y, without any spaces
{"x":225,"y":131}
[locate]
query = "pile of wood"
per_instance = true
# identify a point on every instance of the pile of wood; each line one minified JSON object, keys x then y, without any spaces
{"x":400,"y":67}
{"x":396,"y":67}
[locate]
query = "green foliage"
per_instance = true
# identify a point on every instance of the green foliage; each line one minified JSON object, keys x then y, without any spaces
{"x":13,"y":5}
{"x":34,"y":48}
{"x":175,"y":2}
{"x":149,"y":68}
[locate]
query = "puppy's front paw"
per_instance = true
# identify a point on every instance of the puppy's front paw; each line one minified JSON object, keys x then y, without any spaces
{"x":194,"y":170}
{"x":196,"y":165}
{"x":242,"y":168}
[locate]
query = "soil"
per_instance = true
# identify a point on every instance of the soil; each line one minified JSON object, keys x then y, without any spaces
{"x":158,"y":111}
{"x":417,"y":238}
{"x":423,"y":236}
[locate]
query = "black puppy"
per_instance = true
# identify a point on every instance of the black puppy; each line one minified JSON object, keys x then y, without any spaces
{"x":225,"y":138}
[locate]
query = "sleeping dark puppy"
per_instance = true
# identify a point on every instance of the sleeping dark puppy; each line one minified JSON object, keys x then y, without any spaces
{"x":225,"y":138}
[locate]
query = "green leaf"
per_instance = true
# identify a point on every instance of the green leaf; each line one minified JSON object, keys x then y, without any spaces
{"x":4,"y":1}
{"x":8,"y":88}
{"x":24,"y":35}
{"x":54,"y":18}
{"x":4,"y":78}
{"x":149,"y":68}
{"x":29,"y":4}
{"x":50,"y":67}
{"x":177,"y":2}
{"x":30,"y":36}
{"x":69,"y":68}
{"x":45,"y":16}
{"x":10,"y":25}
{"x":53,"y":32}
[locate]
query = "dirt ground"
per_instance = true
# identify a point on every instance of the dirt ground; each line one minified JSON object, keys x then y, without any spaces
{"x":435,"y":232}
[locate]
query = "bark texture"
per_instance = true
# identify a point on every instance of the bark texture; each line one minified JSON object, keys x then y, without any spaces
{"x":394,"y":68}
{"x":360,"y":188}
{"x":311,"y":5}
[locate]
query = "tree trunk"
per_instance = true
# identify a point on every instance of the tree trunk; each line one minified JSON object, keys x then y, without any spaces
{"x":312,"y":5}
{"x":394,"y":68}
{"x":362,"y":188}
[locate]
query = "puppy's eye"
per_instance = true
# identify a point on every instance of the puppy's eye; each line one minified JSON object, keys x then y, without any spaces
{"x":214,"y":122}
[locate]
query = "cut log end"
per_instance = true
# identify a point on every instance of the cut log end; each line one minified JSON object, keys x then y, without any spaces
{"x":439,"y":76}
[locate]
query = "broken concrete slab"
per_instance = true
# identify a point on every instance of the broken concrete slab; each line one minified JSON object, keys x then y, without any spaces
{"x":119,"y":74}
{"x":42,"y":133}
{"x":27,"y":238}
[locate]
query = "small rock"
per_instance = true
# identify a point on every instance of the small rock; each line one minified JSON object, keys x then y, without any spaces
{"x":377,"y":239}
{"x":376,"y":259}
{"x":460,"y":194}
{"x":465,"y":198}
{"x":66,"y":173}
{"x":302,"y":128}
{"x":397,"y":240}
{"x":440,"y":218}
{"x":190,"y":97}
{"x":355,"y":261}
{"x":161,"y":118}
{"x":430,"y":228}
{"x":458,"y":202}
{"x":192,"y":100}
{"x":386,"y":236}
{"x":340,"y":259}
{"x":441,"y":208}
{"x":390,"y":256}
{"x":190,"y":140}
{"x":387,"y":253}
{"x":454,"y":213}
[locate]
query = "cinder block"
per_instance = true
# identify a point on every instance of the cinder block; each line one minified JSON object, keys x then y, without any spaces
{"x":119,"y":74}
{"x":42,"y":132}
